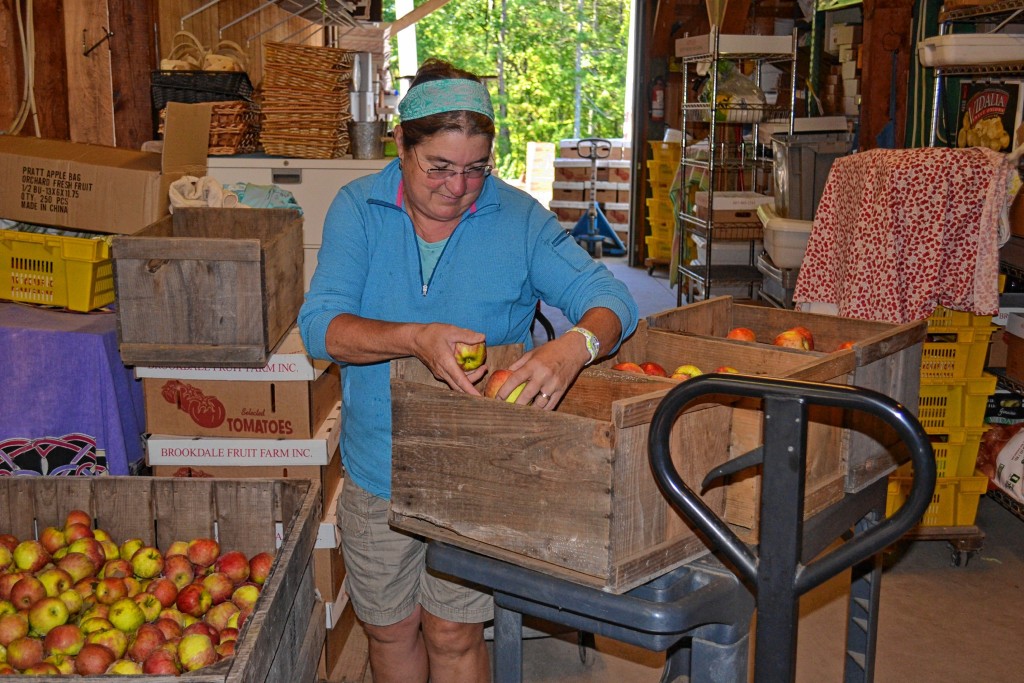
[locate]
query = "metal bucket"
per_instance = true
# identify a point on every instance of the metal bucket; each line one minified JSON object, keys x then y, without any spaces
{"x":365,"y":139}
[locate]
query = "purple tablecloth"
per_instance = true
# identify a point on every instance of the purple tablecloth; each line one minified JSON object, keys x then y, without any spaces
{"x":61,"y":373}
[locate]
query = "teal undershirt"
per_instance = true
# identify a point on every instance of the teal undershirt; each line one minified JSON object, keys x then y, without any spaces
{"x":430,"y":252}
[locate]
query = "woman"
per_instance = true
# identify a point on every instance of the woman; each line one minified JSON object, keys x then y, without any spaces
{"x":429,"y":252}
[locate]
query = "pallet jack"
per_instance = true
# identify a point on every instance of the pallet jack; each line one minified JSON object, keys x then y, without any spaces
{"x":593,"y":231}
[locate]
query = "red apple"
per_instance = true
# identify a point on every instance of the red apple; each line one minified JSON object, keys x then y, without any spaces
{"x":806,"y":334}
{"x":162,"y":662}
{"x":845,"y":345}
{"x":91,"y":548}
{"x":25,"y":652}
{"x":204,"y":628}
{"x":196,"y":651}
{"x":169,"y":627}
{"x":7,"y":582}
{"x":86,"y":588}
{"x":41,"y":669}
{"x":654,"y":369}
{"x":260,"y":565}
{"x":470,"y":356}
{"x":114,"y":639}
{"x":225,"y":649}
{"x":228,"y":633}
{"x":687,"y":371}
{"x":147,"y":639}
{"x":179,"y":569}
{"x":726,"y":368}
{"x":12,"y":627}
{"x":27,"y":592}
{"x":78,"y":517}
{"x":110,"y":590}
{"x":93,"y":660}
{"x":219,"y":585}
{"x":73,"y":532}
{"x":235,"y":565}
{"x":166,"y":591}
{"x":66,"y":639}
{"x":203,"y":552}
{"x":791,"y":339}
{"x":9,"y":541}
{"x":218,"y":615}
{"x":193,"y":600}
{"x":30,"y":556}
{"x":77,"y":565}
{"x":116,"y":569}
{"x":629,"y":367}
{"x":742,"y":334}
{"x":53,"y":539}
{"x":495,"y":381}
{"x":6,"y":558}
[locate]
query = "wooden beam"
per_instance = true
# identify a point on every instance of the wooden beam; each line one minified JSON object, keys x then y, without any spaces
{"x":133,"y":56}
{"x":89,"y":85}
{"x":412,"y":17}
{"x":887,"y":27}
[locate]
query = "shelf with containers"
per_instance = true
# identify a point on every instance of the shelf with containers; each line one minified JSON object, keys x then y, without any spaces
{"x":707,"y":164}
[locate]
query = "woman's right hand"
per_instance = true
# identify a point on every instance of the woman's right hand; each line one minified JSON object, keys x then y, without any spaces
{"x":434,"y":344}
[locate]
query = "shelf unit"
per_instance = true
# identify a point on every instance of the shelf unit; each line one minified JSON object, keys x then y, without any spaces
{"x":749,"y":156}
{"x":1002,"y":13}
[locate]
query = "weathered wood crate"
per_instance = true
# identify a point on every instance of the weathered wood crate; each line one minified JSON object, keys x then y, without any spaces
{"x":208,"y":287}
{"x":825,"y":472}
{"x":568,"y":492}
{"x":887,"y":359}
{"x":282,"y":640}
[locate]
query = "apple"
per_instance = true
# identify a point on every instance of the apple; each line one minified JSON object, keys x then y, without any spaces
{"x":727,"y":368}
{"x":94,"y":624}
{"x":149,"y":604}
{"x":116,"y":569}
{"x":162,"y":662}
{"x":845,"y":345}
{"x":177,"y":548}
{"x":7,"y":582}
{"x":235,"y":564}
{"x":629,"y":367}
{"x":169,"y":627}
{"x":147,"y":562}
{"x":174,"y":614}
{"x":110,"y":550}
{"x":179,"y":569}
{"x":72,"y":600}
{"x":225,"y":649}
{"x":12,"y":627}
{"x":114,"y":639}
{"x":196,"y":651}
{"x":129,"y":548}
{"x":238,"y":620}
{"x":245,"y":595}
{"x":134,"y":586}
{"x":146,"y":640}
{"x":66,"y":639}
{"x":7,"y":669}
{"x":30,"y":556}
{"x":7,"y":607}
{"x":77,"y":565}
{"x":791,"y":339}
{"x":686,"y":372}
{"x":55,"y":580}
{"x":219,"y":585}
{"x":9,"y":541}
{"x":91,"y":548}
{"x":259,"y":567}
{"x":40,"y":669}
{"x":470,"y":356}
{"x":228,"y":633}
{"x":6,"y":558}
{"x":218,"y":615}
{"x":65,"y":664}
{"x":204,"y":628}
{"x":53,"y":539}
{"x":73,"y":532}
{"x":126,"y":615}
{"x":124,"y":667}
{"x":86,"y":588}
{"x":25,"y":652}
{"x":166,"y":591}
{"x":27,"y":592}
{"x":806,"y":334}
{"x":653,"y":369}
{"x":47,"y":614}
{"x":110,"y":590}
{"x":101,"y":535}
{"x":193,"y":600}
{"x":78,"y":517}
{"x":495,"y":381}
{"x":742,"y":334}
{"x":95,"y":609}
{"x":93,"y":660}
{"x":203,"y":552}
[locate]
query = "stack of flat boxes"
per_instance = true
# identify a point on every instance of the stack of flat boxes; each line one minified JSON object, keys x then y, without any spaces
{"x":278,"y":421}
{"x":570,"y":191}
{"x":844,"y":41}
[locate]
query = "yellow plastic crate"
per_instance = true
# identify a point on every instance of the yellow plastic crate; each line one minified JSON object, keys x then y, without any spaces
{"x":944,"y":318}
{"x":76,"y":273}
{"x":950,"y":403}
{"x":660,"y":210}
{"x":657,"y":248}
{"x":956,"y":352}
{"x":956,"y":451}
{"x":954,"y":503}
{"x":665,"y":152}
{"x":662,"y":229}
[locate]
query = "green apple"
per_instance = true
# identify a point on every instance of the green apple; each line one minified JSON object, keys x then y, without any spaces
{"x":126,"y":615}
{"x":47,"y":614}
{"x":470,"y":356}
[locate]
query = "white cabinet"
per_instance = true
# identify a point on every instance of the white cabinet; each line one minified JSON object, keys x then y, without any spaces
{"x":313,"y":182}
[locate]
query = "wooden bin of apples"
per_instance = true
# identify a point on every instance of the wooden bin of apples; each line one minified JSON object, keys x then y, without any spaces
{"x":886,"y":357}
{"x":568,"y":492}
{"x":158,"y":577}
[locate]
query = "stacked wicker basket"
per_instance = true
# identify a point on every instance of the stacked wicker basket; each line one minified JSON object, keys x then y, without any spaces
{"x":306,"y":105}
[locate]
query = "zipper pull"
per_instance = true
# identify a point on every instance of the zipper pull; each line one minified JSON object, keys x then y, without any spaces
{"x":424,"y":290}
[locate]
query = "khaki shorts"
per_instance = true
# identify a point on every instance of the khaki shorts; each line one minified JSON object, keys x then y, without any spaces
{"x":385,"y":569}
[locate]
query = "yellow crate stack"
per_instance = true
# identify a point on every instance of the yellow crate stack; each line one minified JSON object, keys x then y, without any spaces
{"x":951,"y":407}
{"x":662,"y":164}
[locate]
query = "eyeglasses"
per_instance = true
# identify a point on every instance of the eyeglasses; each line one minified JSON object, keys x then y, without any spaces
{"x":471,"y":173}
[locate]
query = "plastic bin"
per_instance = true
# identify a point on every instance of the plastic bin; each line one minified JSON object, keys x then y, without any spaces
{"x":956,"y":451}
{"x":802,"y":165}
{"x":951,"y":403}
{"x":954,"y":503}
{"x":55,"y":270}
{"x":955,"y":352}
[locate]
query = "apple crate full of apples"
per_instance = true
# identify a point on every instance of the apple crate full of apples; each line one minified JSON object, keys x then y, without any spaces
{"x":887,"y":359}
{"x":569,"y":492}
{"x":160,"y":578}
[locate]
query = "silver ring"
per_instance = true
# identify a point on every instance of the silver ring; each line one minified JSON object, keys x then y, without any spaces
{"x":545,"y":396}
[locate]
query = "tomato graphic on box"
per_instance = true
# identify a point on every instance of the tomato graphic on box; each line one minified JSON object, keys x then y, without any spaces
{"x":205,"y":411}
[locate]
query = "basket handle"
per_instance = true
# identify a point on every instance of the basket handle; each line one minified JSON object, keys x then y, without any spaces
{"x":227,"y":56}
{"x":185,"y":49}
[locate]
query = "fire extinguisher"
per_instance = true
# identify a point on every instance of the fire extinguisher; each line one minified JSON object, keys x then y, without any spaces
{"x":658,"y":100}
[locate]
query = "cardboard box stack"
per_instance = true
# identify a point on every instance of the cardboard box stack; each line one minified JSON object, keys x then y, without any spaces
{"x":841,"y":92}
{"x":570,"y":191}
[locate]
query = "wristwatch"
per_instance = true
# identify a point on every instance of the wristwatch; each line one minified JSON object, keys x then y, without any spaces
{"x":593,"y":343}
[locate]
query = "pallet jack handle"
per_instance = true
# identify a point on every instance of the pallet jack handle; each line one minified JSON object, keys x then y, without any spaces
{"x":774,"y":571}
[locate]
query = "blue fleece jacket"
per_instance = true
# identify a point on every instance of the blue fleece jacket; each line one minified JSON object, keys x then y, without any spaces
{"x":506,"y":254}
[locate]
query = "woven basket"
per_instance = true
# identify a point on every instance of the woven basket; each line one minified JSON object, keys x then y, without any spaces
{"x":192,"y":87}
{"x":186,"y":54}
{"x":307,"y":56}
{"x":287,"y":77}
{"x":234,"y":128}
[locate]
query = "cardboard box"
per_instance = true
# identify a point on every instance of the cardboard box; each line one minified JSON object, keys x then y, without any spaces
{"x":849,"y":70}
{"x":182,"y":451}
{"x":288,"y":363}
{"x":1014,"y":338}
{"x":851,"y":87}
{"x":568,"y":212}
{"x":568,"y":191}
{"x":732,"y":207}
{"x":208,"y":287}
{"x":844,"y":35}
{"x":571,"y":170}
{"x":280,"y":410}
{"x":99,"y":188}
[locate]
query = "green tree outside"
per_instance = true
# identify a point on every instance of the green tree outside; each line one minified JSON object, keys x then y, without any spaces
{"x":528,"y":51}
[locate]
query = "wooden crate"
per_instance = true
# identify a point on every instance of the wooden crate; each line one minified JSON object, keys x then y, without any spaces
{"x":208,"y":287}
{"x":824,"y":478}
{"x":887,"y":359}
{"x":283,"y":638}
{"x":567,"y":492}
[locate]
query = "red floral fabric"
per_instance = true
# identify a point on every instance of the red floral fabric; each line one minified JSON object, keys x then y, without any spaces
{"x":899,"y":232}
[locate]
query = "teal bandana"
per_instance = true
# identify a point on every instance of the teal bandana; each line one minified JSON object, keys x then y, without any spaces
{"x":453,"y":94}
